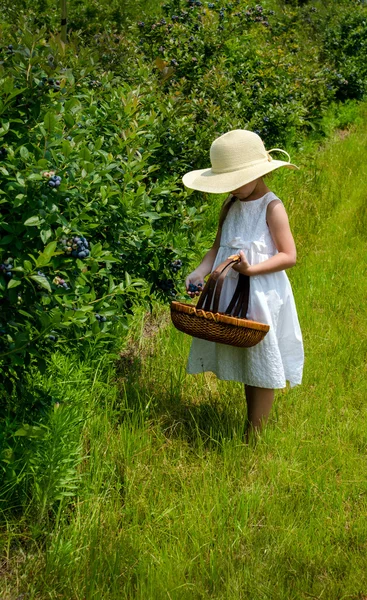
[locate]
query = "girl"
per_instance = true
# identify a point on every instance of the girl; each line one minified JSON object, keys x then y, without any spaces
{"x":254,"y":224}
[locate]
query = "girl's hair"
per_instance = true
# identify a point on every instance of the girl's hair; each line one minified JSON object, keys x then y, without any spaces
{"x":225,"y":209}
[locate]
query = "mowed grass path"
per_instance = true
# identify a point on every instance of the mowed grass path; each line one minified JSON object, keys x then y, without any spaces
{"x":173,"y":505}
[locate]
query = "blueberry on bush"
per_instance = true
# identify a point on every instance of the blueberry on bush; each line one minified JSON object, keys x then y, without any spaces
{"x":77,"y":246}
{"x":176,"y":265}
{"x":60,"y":283}
{"x":6,"y":267}
{"x":3,"y":153}
{"x":55,"y":85}
{"x":100,"y":318}
{"x":167,"y":286}
{"x":54,"y":181}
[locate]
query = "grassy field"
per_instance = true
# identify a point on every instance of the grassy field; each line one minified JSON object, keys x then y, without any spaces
{"x":170,"y":503}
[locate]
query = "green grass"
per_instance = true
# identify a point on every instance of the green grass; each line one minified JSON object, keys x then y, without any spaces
{"x":171,"y":505}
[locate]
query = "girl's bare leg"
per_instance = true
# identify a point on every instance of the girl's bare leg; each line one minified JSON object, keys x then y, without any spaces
{"x":259,"y":402}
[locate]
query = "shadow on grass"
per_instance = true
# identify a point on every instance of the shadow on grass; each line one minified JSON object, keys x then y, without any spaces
{"x":179,"y":412}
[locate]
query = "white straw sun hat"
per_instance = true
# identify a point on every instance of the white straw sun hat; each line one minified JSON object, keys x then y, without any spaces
{"x":237,"y":157}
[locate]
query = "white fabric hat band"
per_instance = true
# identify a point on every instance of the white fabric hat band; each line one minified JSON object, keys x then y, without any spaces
{"x":251,"y":164}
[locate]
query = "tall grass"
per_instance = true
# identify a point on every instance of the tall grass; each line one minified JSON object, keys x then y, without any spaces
{"x":171,"y":504}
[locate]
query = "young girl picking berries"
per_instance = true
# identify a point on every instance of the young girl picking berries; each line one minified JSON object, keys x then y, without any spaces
{"x":254,"y":224}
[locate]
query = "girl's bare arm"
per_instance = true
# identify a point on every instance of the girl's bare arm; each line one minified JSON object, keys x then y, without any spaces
{"x":205,"y":267}
{"x":278,"y":224}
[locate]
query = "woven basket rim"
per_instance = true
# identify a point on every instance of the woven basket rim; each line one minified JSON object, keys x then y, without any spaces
{"x":217,"y":317}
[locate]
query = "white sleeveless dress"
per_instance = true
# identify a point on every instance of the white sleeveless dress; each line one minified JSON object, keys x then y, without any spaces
{"x":279,"y":356}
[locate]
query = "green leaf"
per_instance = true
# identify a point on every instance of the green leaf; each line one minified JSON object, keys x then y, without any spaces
{"x":19,"y":200}
{"x":152,"y":216}
{"x":14,"y":283}
{"x":66,"y":148}
{"x":4,"y":128}
{"x":96,"y":250}
{"x":72,"y":105}
{"x":84,"y":154}
{"x":25,"y":314}
{"x":33,"y":222}
{"x":7,"y":239}
{"x":95,"y":328}
{"x":45,"y":235}
{"x":42,"y":163}
{"x":111,"y":284}
{"x":42,"y":281}
{"x":98,"y":144}
{"x":69,"y":119}
{"x":7,"y":456}
{"x":69,"y":76}
{"x":88,"y":167}
{"x":20,"y":179}
{"x":45,"y":257}
{"x":49,"y":250}
{"x":24,"y":152}
{"x":146,"y":230}
{"x":31,"y":431}
{"x":27,"y":265}
{"x":50,"y":122}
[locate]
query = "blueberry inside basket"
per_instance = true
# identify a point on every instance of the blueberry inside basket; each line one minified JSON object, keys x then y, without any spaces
{"x":229,"y":327}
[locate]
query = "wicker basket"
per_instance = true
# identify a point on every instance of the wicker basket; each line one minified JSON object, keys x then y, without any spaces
{"x":205,"y":322}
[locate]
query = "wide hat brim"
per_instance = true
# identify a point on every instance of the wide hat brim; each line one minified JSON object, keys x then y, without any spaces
{"x":205,"y":180}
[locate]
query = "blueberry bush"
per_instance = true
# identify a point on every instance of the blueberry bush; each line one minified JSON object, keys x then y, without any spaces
{"x":270,"y":67}
{"x":88,"y":230}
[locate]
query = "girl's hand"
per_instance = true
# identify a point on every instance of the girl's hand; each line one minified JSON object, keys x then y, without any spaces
{"x":243,"y":266}
{"x":194,"y":285}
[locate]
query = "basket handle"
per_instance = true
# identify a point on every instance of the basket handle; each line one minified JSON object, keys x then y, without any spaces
{"x":239,"y":304}
{"x":214,"y":284}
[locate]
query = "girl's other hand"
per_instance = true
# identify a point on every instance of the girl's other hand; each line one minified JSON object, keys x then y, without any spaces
{"x":243,"y":266}
{"x":194,"y":285}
